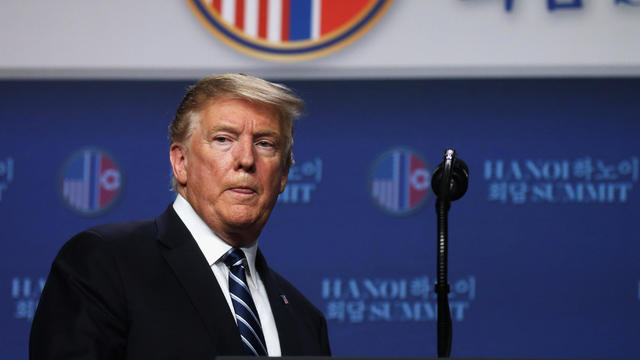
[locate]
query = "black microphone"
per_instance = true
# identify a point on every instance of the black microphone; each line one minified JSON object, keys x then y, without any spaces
{"x":450,"y":180}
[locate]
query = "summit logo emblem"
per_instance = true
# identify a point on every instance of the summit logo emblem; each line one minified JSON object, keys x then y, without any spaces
{"x":288,"y":30}
{"x":90,"y":182}
{"x":399,"y":181}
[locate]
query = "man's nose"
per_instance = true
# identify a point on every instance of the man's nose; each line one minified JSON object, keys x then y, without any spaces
{"x":244,"y":155}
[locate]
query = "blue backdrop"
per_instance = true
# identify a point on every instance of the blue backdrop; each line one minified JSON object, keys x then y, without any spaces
{"x":543,"y":248}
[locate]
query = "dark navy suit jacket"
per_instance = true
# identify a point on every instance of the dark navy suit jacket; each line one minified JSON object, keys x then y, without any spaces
{"x":144,"y":290}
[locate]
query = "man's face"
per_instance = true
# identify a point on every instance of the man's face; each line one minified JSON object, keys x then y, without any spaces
{"x":233,"y":168}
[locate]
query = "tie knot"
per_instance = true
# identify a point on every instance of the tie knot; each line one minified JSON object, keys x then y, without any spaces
{"x":234,"y":257}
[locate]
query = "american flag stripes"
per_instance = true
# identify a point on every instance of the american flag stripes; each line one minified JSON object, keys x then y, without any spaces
{"x":280,"y":21}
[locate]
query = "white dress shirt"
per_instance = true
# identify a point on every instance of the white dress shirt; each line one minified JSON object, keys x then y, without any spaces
{"x":214,"y":249}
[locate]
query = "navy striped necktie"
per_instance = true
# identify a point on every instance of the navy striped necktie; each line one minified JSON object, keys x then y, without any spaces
{"x":246,"y":313}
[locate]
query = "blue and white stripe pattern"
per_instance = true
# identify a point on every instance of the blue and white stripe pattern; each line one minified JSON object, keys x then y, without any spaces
{"x":80,"y":185}
{"x":246,"y":313}
{"x":390,"y":185}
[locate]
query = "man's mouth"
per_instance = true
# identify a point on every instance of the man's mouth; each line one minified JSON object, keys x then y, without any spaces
{"x":245,"y":190}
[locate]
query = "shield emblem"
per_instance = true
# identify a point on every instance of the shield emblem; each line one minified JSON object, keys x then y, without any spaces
{"x":288,"y":30}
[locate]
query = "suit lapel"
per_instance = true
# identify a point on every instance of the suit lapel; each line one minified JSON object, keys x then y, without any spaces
{"x":283,"y":315}
{"x":190,"y":266}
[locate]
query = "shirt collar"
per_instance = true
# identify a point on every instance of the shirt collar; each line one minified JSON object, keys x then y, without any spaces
{"x":209,"y":243}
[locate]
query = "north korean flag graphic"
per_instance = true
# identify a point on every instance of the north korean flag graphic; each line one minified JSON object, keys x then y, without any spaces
{"x":288,"y":29}
{"x":91,"y":182}
{"x":400,"y":181}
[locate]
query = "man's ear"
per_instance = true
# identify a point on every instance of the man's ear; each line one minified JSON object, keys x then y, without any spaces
{"x":178,"y":158}
{"x":283,"y":179}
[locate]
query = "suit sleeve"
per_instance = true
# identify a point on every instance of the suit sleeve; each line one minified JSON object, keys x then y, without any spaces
{"x":324,"y":338}
{"x":82,"y":312}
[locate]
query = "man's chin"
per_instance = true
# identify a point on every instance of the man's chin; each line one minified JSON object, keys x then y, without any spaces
{"x":243,"y":223}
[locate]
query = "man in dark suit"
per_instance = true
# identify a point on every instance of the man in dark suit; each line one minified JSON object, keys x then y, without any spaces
{"x":191,"y":284}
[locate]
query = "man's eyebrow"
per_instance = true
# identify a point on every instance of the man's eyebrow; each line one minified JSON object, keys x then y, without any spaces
{"x":267,"y":133}
{"x":226,"y":128}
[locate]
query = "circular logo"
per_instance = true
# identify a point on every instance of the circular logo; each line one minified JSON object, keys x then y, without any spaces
{"x":288,"y":30}
{"x":399,"y":181}
{"x":90,"y":182}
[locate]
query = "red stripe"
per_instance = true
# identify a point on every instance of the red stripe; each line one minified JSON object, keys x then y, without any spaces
{"x":240,"y":14}
{"x":286,"y":15}
{"x":262,"y":19}
{"x":336,"y":13}
{"x":106,"y":196}
{"x":217,"y":6}
{"x":415,"y":195}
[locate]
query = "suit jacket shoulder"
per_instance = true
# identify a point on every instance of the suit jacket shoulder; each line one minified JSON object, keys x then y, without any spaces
{"x":83,"y":299}
{"x":134,"y":290}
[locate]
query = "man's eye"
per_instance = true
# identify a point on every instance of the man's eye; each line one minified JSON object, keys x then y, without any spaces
{"x":264,"y":144}
{"x":220,"y":139}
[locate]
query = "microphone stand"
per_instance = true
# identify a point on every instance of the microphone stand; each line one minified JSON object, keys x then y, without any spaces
{"x":442,"y":287}
{"x":450,"y":181}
